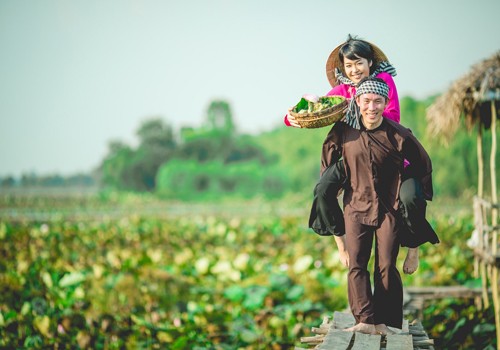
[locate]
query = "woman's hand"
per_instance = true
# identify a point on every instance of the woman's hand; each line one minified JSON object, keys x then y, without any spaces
{"x":291,"y":119}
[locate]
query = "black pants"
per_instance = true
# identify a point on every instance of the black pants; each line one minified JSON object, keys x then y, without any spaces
{"x":327,"y":219}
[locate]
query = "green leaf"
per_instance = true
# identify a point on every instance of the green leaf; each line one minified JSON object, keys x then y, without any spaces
{"x":255,"y":297}
{"x":25,"y":309}
{"x":484,"y":328}
{"x":295,"y":292}
{"x":71,"y":279}
{"x":47,"y":279}
{"x":3,"y":230}
{"x":279,"y":281}
{"x":302,"y":105}
{"x":180,"y":343}
{"x":234,"y":293}
{"x":249,"y":336}
{"x":33,"y":342}
{"x":42,"y":324}
{"x":10,"y":315}
{"x":329,"y":101}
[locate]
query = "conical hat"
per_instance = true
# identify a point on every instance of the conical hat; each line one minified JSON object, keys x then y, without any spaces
{"x":333,"y":61}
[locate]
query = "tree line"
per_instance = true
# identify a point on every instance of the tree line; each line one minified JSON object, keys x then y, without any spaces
{"x":215,"y":161}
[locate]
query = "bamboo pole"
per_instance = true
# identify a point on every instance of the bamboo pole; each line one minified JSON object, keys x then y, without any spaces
{"x":480,"y":194}
{"x":480,"y":162}
{"x":494,"y":219}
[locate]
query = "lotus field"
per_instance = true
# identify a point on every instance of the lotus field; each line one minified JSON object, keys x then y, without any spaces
{"x":140,"y":274}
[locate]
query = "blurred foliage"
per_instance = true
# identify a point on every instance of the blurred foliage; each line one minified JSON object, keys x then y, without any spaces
{"x":458,"y":324}
{"x":32,"y":180}
{"x":125,"y":168}
{"x":455,"y":172}
{"x":188,"y":180}
{"x":215,"y":161}
{"x":143,"y":282}
{"x":233,"y":277}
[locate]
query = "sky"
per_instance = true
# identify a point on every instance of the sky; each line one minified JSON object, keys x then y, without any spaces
{"x":75,"y":75}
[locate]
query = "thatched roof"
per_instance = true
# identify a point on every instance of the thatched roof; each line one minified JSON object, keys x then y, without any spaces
{"x":469,"y":97}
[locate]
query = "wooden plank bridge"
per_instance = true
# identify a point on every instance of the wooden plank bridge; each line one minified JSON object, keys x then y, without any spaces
{"x":330,"y":335}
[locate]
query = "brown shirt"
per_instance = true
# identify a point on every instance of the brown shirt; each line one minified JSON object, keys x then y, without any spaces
{"x":374,"y":163}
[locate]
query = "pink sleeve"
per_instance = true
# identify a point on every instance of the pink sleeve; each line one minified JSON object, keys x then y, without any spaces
{"x":340,"y":90}
{"x":287,"y":123}
{"x":392,"y":110}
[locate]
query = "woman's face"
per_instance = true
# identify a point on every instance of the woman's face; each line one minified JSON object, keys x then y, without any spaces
{"x":357,"y":69}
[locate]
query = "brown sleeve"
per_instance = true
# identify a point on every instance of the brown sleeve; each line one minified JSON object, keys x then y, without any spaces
{"x":420,"y":163}
{"x":332,"y":147}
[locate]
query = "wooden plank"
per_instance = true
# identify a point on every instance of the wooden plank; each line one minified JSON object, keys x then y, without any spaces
{"x":418,"y":333}
{"x":443,"y":292}
{"x":320,"y":330}
{"x":366,"y":342}
{"x":425,"y":342}
{"x":336,"y":340}
{"x":326,"y":321}
{"x":404,"y":328}
{"x":399,"y":342}
{"x":312,"y":340}
{"x":342,"y":320}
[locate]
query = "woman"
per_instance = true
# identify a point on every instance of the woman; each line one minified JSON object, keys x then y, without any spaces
{"x":352,"y":61}
{"x":346,"y":66}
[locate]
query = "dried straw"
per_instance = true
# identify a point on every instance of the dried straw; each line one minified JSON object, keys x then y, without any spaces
{"x":467,"y":96}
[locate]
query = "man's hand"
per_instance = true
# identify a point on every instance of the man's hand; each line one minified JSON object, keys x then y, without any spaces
{"x":344,"y":257}
{"x":343,"y":254}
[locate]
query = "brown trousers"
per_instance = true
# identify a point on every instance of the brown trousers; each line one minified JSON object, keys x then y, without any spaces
{"x":385,"y":305}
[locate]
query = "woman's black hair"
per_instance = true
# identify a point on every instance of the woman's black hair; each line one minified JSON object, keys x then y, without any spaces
{"x":355,"y":48}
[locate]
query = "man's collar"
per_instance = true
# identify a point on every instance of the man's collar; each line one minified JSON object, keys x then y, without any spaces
{"x":363,"y":127}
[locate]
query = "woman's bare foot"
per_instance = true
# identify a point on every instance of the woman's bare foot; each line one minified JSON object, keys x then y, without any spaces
{"x":362,"y":328}
{"x":411,"y":262}
{"x":383,"y":329}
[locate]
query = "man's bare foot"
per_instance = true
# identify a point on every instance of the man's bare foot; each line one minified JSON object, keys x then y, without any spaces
{"x":383,"y":329}
{"x":411,"y":262}
{"x":362,"y":328}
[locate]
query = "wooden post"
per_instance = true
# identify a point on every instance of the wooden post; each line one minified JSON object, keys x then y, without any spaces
{"x":494,"y":219}
{"x":480,"y":162}
{"x":482,"y":213}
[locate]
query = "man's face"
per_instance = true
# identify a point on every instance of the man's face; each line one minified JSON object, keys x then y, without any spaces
{"x":371,"y":107}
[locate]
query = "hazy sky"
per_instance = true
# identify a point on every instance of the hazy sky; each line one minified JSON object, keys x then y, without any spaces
{"x":75,"y":75}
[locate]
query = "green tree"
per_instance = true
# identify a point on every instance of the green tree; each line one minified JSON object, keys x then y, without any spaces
{"x":113,"y":168}
{"x":218,"y":140}
{"x":135,"y":169}
{"x":157,"y":144}
{"x":8,"y":181}
{"x":219,"y":117}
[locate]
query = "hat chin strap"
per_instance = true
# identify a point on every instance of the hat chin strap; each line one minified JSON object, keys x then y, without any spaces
{"x":342,"y":78}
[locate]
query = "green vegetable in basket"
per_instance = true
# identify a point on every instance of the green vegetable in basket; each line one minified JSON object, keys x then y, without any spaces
{"x":305,"y":106}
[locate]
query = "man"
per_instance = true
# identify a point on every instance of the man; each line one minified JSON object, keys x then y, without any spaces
{"x":374,"y":159}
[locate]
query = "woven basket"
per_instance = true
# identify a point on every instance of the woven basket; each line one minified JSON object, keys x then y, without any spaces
{"x":325,"y":117}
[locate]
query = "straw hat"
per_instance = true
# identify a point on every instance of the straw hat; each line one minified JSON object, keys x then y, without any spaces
{"x":333,"y":61}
